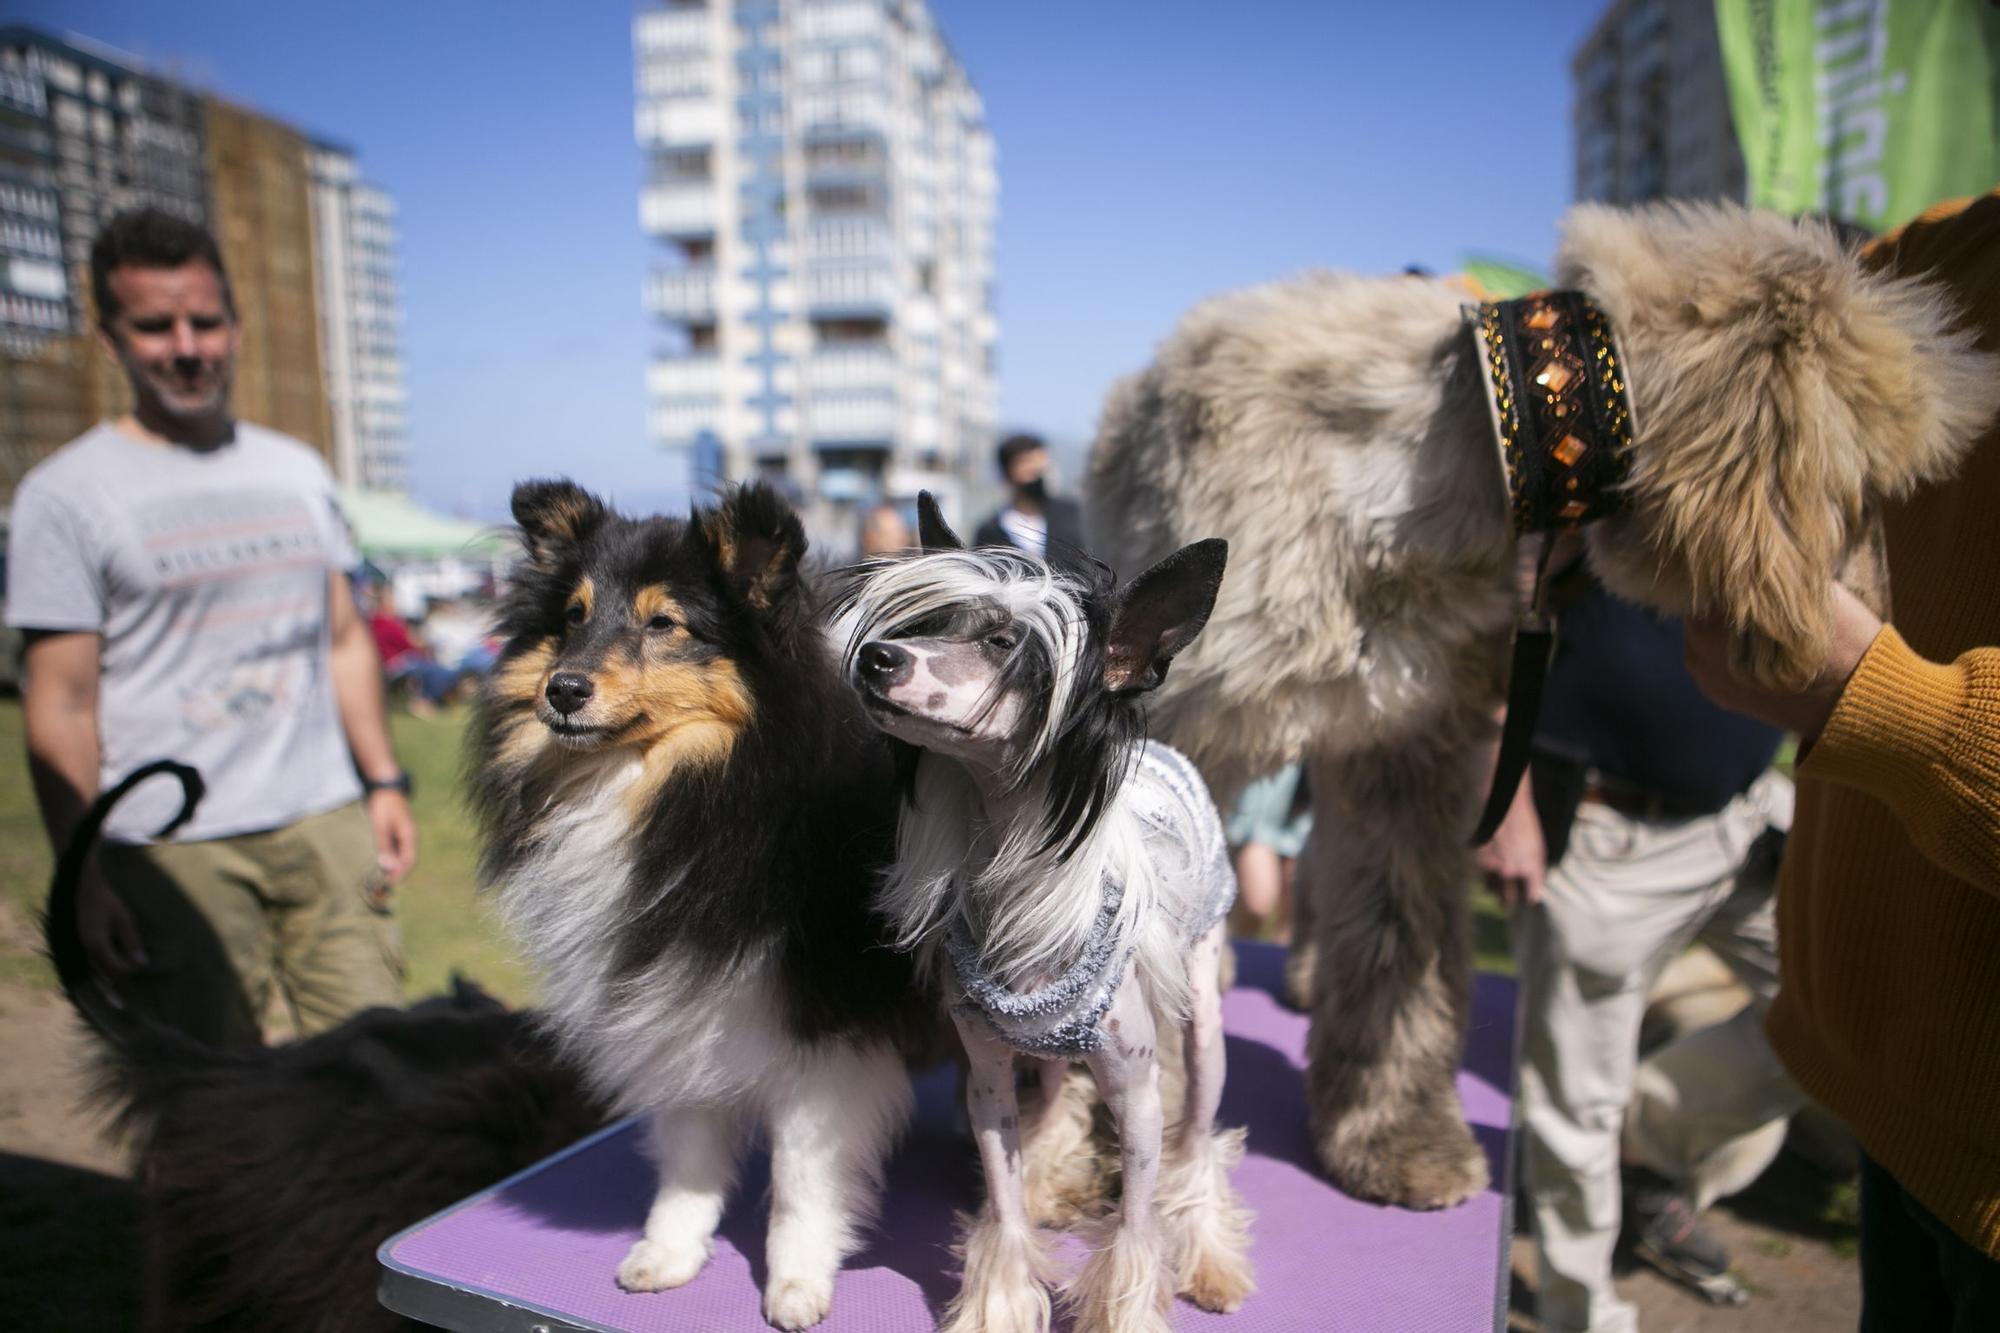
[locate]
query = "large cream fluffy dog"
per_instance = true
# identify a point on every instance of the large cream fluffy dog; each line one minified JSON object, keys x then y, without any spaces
{"x":1332,"y":428}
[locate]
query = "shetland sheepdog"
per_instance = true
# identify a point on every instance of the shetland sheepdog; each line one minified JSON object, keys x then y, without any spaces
{"x":686,"y":815}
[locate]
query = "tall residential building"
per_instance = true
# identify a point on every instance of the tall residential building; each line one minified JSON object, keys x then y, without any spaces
{"x":260,"y":198}
{"x":821,"y":182}
{"x":86,"y":133}
{"x":1652,"y":106}
{"x":360,"y":323}
{"x":82,"y":136}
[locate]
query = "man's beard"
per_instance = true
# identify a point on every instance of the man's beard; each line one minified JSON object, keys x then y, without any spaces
{"x":160,"y":396}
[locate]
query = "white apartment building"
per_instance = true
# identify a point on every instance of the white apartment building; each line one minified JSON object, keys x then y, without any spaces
{"x":1652,"y":113}
{"x":354,"y":246}
{"x":822,"y":187}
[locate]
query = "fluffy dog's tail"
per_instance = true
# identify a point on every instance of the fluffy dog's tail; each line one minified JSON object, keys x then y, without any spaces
{"x":137,"y":1044}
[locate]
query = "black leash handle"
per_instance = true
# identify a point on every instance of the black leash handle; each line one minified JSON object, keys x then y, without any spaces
{"x":1534,"y":648}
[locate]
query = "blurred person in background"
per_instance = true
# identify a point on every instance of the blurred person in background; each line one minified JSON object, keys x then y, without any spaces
{"x":884,"y":531}
{"x":1267,"y":831}
{"x":1889,"y":905}
{"x":1032,"y":519}
{"x":181,"y":578}
{"x":1651,"y":819}
{"x":408,"y":661}
{"x":461,"y":635}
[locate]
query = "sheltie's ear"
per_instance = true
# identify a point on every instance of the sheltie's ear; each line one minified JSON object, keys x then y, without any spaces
{"x":1159,"y":613}
{"x":932,"y":530}
{"x":555,"y":514}
{"x":757,"y":542}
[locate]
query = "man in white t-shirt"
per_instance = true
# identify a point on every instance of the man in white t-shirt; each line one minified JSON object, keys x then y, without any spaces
{"x":181,"y":579}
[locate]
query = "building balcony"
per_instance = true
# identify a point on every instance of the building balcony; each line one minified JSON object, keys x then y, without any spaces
{"x":851,"y":370}
{"x":853,"y":238}
{"x":843,"y":420}
{"x":859,"y":112}
{"x":857,"y":171}
{"x":678,"y":122}
{"x":850,"y":290}
{"x":678,"y":210}
{"x":681,"y":421}
{"x":670,"y":30}
{"x":685,"y":295}
{"x":685,"y":377}
{"x":838,"y":21}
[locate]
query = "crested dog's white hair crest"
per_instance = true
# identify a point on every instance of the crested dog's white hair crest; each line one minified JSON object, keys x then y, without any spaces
{"x":1034,"y":904}
{"x":1045,"y":603}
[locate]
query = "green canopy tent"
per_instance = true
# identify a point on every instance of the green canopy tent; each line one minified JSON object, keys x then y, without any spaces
{"x":396,"y":529}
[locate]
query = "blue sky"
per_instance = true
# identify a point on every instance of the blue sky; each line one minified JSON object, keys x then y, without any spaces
{"x":1151,"y":152}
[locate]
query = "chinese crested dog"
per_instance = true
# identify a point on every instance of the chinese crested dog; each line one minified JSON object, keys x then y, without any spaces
{"x":686,"y":817}
{"x":1067,"y":880}
{"x":1340,"y":433}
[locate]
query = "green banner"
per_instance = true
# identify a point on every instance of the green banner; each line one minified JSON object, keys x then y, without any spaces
{"x":1871,"y":110}
{"x":1503,"y":279}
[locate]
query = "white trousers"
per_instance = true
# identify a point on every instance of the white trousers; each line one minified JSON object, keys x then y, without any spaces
{"x":1708,"y":1110}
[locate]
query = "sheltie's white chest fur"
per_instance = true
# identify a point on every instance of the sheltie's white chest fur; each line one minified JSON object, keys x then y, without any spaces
{"x":680,"y":1028}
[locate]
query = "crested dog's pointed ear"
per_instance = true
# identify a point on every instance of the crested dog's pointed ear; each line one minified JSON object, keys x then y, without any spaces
{"x":1159,"y":613}
{"x":756,"y":541}
{"x":932,"y":530}
{"x":555,"y":514}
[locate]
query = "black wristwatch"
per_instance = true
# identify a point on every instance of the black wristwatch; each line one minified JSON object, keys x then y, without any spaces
{"x":401,"y":783}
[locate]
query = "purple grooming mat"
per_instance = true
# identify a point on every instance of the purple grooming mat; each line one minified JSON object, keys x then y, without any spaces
{"x":538,"y":1251}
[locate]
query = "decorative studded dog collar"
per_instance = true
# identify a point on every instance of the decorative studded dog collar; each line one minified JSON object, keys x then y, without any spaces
{"x":1555,"y":384}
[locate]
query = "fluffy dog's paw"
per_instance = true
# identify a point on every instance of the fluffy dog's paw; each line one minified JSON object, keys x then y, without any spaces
{"x":1433,"y":1163}
{"x":652,"y":1265}
{"x":797,"y":1302}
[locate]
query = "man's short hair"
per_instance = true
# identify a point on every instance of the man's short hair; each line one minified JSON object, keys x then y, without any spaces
{"x":1013,"y":447}
{"x":150,"y":238}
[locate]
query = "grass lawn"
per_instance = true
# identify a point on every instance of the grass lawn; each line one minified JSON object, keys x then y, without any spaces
{"x":445,"y":925}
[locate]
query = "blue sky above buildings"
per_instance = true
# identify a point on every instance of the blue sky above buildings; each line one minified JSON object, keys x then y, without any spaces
{"x":1151,"y":152}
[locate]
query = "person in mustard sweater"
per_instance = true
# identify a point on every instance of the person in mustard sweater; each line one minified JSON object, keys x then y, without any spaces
{"x":1888,"y":1010}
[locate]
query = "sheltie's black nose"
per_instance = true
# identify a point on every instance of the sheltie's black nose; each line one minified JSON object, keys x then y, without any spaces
{"x":568,"y":691}
{"x":884,"y":664}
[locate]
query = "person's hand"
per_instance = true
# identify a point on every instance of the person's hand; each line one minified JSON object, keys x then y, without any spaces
{"x":1804,"y":714}
{"x":395,"y":833}
{"x":109,"y":932}
{"x":1515,"y":861}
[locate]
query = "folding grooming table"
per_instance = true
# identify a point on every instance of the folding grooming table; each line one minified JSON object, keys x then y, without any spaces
{"x":538,"y":1251}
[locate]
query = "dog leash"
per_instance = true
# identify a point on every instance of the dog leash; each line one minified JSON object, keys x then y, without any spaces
{"x":1534,"y":650}
{"x":1555,"y":392}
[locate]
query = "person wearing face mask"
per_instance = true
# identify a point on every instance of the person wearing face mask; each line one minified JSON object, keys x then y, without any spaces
{"x":1033,"y":520}
{"x":181,"y":578}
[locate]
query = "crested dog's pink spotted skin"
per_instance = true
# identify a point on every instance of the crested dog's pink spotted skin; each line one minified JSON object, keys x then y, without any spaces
{"x":1067,"y":880}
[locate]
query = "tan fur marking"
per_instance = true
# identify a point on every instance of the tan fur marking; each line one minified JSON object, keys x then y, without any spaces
{"x":690,"y":744}
{"x":520,"y":681}
{"x":687,"y":712}
{"x":523,"y":741}
{"x":656,"y":601}
{"x":760,"y":587}
{"x":565,"y":516}
{"x":585,"y":595}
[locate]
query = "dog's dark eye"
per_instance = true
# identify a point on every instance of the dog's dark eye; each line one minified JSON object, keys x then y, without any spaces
{"x":660,"y":623}
{"x":576,"y":615}
{"x":1005,"y":640}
